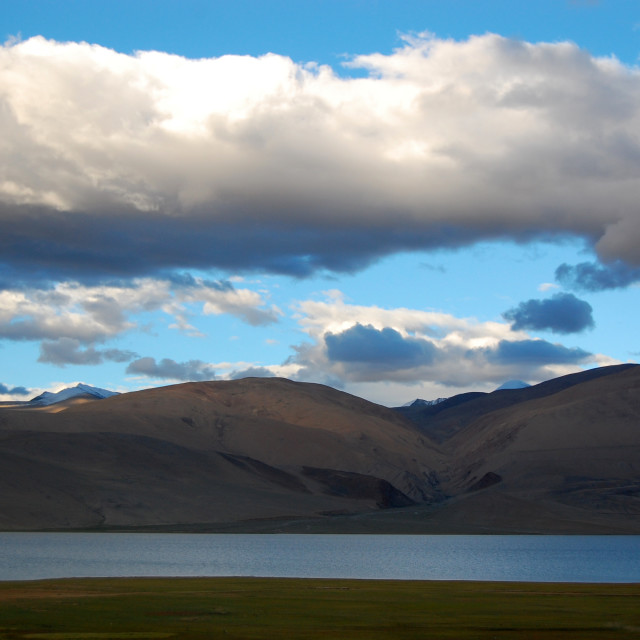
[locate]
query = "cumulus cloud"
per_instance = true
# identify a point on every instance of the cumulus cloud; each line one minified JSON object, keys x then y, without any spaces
{"x":119,"y":165}
{"x":167,"y":369}
{"x":562,"y":313}
{"x":355,"y":344}
{"x":13,"y":391}
{"x":385,"y":348}
{"x":592,"y":276}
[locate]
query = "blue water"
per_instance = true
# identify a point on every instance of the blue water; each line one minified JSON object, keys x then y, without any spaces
{"x":28,"y":556}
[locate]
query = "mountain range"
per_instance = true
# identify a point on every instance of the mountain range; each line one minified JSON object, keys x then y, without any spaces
{"x":270,"y":454}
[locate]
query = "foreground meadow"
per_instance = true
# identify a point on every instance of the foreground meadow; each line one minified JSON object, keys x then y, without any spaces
{"x":148,"y":608}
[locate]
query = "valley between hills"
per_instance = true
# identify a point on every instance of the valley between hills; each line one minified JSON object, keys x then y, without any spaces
{"x":272,"y":455}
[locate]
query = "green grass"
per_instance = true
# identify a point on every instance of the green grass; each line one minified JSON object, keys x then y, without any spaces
{"x":253,"y":608}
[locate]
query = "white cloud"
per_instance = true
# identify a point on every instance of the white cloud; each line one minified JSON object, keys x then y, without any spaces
{"x":66,"y":311}
{"x":261,"y":163}
{"x":70,"y":315}
{"x":334,"y":315}
{"x":361,"y":347}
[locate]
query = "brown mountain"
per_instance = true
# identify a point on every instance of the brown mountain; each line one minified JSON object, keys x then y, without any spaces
{"x":209,"y":452}
{"x":569,"y":448}
{"x":442,"y":420}
{"x":271,"y":454}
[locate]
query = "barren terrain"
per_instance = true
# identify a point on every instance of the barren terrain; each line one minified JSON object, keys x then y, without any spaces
{"x":267,"y":454}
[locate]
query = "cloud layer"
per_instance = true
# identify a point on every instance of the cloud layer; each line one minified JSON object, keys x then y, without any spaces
{"x":69,"y":320}
{"x":118,"y":165}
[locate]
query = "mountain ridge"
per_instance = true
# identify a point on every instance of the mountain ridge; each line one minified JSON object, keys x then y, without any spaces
{"x":270,"y":454}
{"x":460,"y":409}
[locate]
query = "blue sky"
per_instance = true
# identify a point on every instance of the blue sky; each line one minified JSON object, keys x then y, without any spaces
{"x":400,"y":199}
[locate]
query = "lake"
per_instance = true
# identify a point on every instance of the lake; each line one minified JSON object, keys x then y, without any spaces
{"x":29,"y":556}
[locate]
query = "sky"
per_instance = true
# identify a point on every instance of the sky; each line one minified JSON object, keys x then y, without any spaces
{"x":400,"y":199}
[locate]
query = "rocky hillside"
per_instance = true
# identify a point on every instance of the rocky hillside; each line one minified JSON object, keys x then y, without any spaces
{"x":274,"y":455}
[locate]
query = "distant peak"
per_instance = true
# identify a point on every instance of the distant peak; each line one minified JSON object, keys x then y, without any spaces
{"x":419,"y":402}
{"x":513,"y":384}
{"x":80,"y":389}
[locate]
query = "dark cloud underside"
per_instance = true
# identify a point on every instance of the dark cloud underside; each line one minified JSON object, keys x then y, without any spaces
{"x":591,"y":276}
{"x":66,"y":351}
{"x":538,"y":352}
{"x":167,"y":369}
{"x":384,"y":348}
{"x":38,"y":243}
{"x":16,"y":391}
{"x":563,"y":313}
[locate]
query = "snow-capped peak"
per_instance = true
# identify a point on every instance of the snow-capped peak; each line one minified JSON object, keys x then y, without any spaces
{"x":47,"y":398}
{"x":513,"y":384}
{"x":419,"y":402}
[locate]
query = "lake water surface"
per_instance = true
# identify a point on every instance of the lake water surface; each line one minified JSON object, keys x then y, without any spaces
{"x":28,"y":556}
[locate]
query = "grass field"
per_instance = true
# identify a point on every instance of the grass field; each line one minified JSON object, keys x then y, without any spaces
{"x":231,"y":608}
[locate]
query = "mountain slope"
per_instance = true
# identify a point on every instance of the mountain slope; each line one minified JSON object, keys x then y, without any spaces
{"x":210,"y":452}
{"x":444,"y":419}
{"x":578,"y":447}
{"x":271,"y":454}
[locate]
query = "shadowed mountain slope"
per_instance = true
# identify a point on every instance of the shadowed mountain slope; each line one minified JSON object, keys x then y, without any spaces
{"x":210,"y":452}
{"x":443,"y":420}
{"x":578,"y":446}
